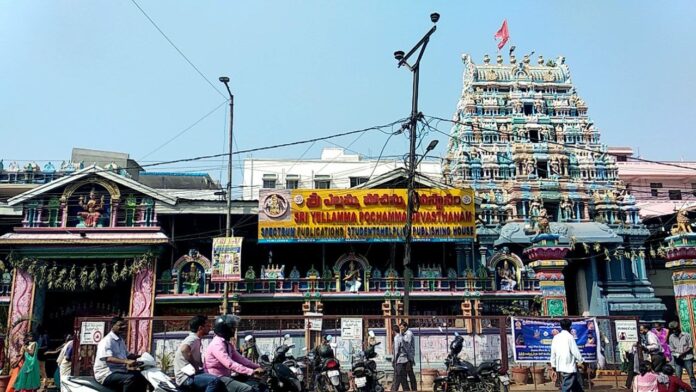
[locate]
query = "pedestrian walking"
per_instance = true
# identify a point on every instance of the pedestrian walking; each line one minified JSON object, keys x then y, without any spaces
{"x":682,"y":348}
{"x":652,"y":349}
{"x":404,"y":359}
{"x":565,"y":358}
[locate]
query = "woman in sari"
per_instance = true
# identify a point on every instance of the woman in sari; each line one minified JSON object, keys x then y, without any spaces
{"x":29,"y":377}
{"x":663,"y":337}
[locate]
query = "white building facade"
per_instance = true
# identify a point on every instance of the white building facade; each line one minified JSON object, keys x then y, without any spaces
{"x":333,"y":170}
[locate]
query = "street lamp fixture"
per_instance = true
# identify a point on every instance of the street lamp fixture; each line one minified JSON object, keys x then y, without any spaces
{"x":402,"y":59}
{"x":228,"y":194}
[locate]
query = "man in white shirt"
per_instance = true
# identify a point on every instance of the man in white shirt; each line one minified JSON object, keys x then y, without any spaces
{"x":652,"y":348}
{"x":188,"y":362}
{"x":113,"y":359}
{"x":565,"y":358}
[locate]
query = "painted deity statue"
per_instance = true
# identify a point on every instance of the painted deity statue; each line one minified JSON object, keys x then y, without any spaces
{"x":543,"y":222}
{"x":506,"y":274}
{"x":193,"y":278}
{"x":92,"y":209}
{"x":352,"y":278}
{"x":566,"y":208}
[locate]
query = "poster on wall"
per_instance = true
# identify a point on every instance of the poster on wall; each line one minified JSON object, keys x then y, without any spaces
{"x":313,"y":321}
{"x":532,"y":338}
{"x":626,"y":330}
{"x":351,"y":329}
{"x":91,"y":332}
{"x":227,"y":259}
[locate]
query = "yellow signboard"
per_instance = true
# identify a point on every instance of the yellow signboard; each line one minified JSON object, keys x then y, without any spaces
{"x":364,"y":215}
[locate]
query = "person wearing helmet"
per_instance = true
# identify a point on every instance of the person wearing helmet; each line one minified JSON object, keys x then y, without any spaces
{"x":223,"y":360}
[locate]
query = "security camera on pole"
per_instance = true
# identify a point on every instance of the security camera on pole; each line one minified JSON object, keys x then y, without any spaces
{"x":412,"y":163}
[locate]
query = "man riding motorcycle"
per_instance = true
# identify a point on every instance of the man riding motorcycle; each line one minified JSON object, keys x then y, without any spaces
{"x":223,"y":360}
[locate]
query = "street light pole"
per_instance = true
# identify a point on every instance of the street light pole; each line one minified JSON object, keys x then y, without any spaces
{"x":415,"y":69}
{"x":228,"y":215}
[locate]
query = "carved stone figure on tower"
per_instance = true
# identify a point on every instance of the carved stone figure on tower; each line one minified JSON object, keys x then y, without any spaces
{"x":683,"y":223}
{"x":92,"y":210}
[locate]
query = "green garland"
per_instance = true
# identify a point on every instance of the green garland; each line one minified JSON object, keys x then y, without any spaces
{"x":88,"y":277}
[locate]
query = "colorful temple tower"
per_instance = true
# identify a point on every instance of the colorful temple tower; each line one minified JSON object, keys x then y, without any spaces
{"x":523,"y":140}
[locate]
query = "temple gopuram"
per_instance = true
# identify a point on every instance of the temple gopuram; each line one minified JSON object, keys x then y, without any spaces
{"x":552,"y":205}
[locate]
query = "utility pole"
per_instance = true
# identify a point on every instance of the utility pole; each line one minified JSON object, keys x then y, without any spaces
{"x":412,"y":163}
{"x":228,"y":215}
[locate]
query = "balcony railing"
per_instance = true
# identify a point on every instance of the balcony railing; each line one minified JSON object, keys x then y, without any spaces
{"x":379,"y":285}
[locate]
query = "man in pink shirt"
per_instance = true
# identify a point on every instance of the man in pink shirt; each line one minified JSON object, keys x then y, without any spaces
{"x":223,"y":360}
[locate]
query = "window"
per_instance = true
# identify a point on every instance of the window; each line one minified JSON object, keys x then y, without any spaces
{"x":355,"y":181}
{"x":322,"y":184}
{"x":534,"y":136}
{"x":542,"y":169}
{"x":292,"y":184}
{"x":528,"y":109}
{"x":269,"y":181}
{"x":322,"y":181}
{"x":654,"y":189}
{"x":675,"y":194}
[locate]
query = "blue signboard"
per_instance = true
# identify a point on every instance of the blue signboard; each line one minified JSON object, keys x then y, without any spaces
{"x":532,"y":338}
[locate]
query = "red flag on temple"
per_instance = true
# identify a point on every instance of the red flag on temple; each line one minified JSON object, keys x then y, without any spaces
{"x":503,"y":35}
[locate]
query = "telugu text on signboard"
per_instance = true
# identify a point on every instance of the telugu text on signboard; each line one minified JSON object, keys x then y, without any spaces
{"x":364,"y":215}
{"x":351,"y":328}
{"x":91,"y":332}
{"x":227,"y":259}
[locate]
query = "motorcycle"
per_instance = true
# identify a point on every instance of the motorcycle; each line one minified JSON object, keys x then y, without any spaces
{"x":328,"y":370}
{"x":279,"y":376}
{"x":297,"y":365}
{"x":145,"y":363}
{"x":489,"y":376}
{"x":364,"y":368}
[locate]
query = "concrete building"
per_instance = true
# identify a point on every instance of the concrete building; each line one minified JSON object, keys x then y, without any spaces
{"x":335,"y":169}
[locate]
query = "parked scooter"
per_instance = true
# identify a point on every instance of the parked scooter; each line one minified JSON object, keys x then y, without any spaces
{"x":280,"y":377}
{"x":364,"y":368}
{"x":328,"y":369}
{"x":145,"y":363}
{"x":489,"y":376}
{"x":296,"y":365}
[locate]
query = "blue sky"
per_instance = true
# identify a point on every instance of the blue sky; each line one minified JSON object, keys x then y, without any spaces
{"x":97,"y":74}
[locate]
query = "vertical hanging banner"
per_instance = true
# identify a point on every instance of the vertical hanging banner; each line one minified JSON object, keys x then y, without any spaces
{"x":533,"y":338}
{"x":227,"y":259}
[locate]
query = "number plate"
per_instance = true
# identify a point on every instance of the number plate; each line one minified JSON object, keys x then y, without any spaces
{"x":334,"y":373}
{"x":505,"y":380}
{"x":360,"y":382}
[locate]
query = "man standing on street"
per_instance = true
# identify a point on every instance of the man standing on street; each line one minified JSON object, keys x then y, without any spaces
{"x":404,"y":359}
{"x":565,"y":358}
{"x":682,"y":348}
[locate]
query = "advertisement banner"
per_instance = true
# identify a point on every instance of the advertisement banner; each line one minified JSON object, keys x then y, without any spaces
{"x":227,"y":259}
{"x":532,"y":338}
{"x":364,"y":215}
{"x":626,"y":330}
